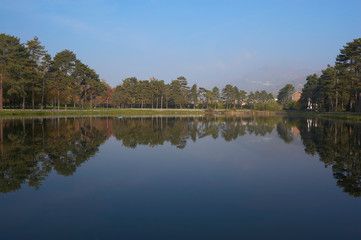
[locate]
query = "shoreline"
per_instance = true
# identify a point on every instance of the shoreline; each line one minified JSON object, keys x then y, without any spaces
{"x":18,"y":113}
{"x":99,"y":112}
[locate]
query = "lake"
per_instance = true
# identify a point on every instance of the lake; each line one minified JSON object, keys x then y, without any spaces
{"x":180,"y":178}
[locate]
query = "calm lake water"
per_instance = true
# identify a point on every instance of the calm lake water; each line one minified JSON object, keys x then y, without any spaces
{"x":180,"y":178}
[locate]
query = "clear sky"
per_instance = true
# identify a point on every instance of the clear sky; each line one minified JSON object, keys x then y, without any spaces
{"x":208,"y":42}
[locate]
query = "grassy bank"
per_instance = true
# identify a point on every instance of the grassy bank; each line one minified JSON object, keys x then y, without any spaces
{"x":101,"y":112}
{"x":354,"y":117}
{"x":246,"y":112}
{"x":347,"y":116}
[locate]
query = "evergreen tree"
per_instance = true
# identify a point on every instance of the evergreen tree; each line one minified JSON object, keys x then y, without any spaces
{"x":13,"y":59}
{"x":327,"y":89}
{"x":285,"y":94}
{"x":349,"y":60}
{"x":176,"y":94}
{"x":36,"y":53}
{"x":215,"y":96}
{"x":64,"y":63}
{"x":309,"y":93}
{"x":242,"y":97}
{"x":45,"y":76}
{"x":131,"y":87}
{"x":193,"y":95}
{"x":227,"y":95}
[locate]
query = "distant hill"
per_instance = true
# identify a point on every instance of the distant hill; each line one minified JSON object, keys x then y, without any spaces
{"x":271,"y":78}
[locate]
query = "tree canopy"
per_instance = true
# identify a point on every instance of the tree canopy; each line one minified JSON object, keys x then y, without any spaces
{"x":338,"y":88}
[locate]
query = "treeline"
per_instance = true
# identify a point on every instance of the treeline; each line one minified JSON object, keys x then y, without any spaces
{"x":31,"y":78}
{"x":338,"y":88}
{"x":156,"y":93}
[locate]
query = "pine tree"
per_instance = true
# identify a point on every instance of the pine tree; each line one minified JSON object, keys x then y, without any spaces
{"x":215,"y":96}
{"x":285,"y":94}
{"x":13,"y":58}
{"x":36,"y":52}
{"x":64,"y":63}
{"x":309,"y":93}
{"x":193,"y":95}
{"x":349,"y":60}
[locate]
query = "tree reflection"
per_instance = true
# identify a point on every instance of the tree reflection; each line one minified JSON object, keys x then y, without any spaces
{"x":338,"y":145}
{"x":32,"y":148}
{"x":177,"y":131}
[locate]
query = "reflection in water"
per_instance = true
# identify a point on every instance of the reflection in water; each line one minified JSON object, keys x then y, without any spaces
{"x":338,"y":145}
{"x":32,"y":148}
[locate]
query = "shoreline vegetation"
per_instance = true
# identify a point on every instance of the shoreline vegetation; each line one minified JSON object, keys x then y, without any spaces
{"x":136,"y":112}
{"x":31,"y":79}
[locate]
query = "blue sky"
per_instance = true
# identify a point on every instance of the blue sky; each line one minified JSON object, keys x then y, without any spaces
{"x":208,"y":42}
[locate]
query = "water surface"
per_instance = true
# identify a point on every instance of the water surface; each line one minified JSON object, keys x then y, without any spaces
{"x":180,"y":178}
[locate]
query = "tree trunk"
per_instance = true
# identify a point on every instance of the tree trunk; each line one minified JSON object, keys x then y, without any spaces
{"x":2,"y":137}
{"x":161,"y":102}
{"x":66,"y":98}
{"x":91,"y":98}
{"x":23,"y":101}
{"x":42,"y":95}
{"x":342,"y":106}
{"x":24,"y":128}
{"x":358,"y":102}
{"x":336,"y":102}
{"x":1,"y":91}
{"x":58,"y":100}
{"x":33,"y":97}
{"x":350,"y":103}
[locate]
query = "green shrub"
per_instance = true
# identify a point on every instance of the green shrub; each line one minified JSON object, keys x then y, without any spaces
{"x":293,"y":105}
{"x":269,"y":106}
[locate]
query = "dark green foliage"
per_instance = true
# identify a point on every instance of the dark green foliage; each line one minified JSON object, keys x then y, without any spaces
{"x":339,"y":87}
{"x":285,"y":95}
{"x":215,"y":96}
{"x":338,"y":146}
{"x":86,"y":83}
{"x":260,"y":101}
{"x":31,"y":149}
{"x":228,"y":95}
{"x":348,"y":62}
{"x":30,"y":78}
{"x":16,"y":69}
{"x":193,"y":95}
{"x":176,"y":95}
{"x":64,"y":63}
{"x":268,"y":106}
{"x":28,"y":74}
{"x":309,"y":92}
